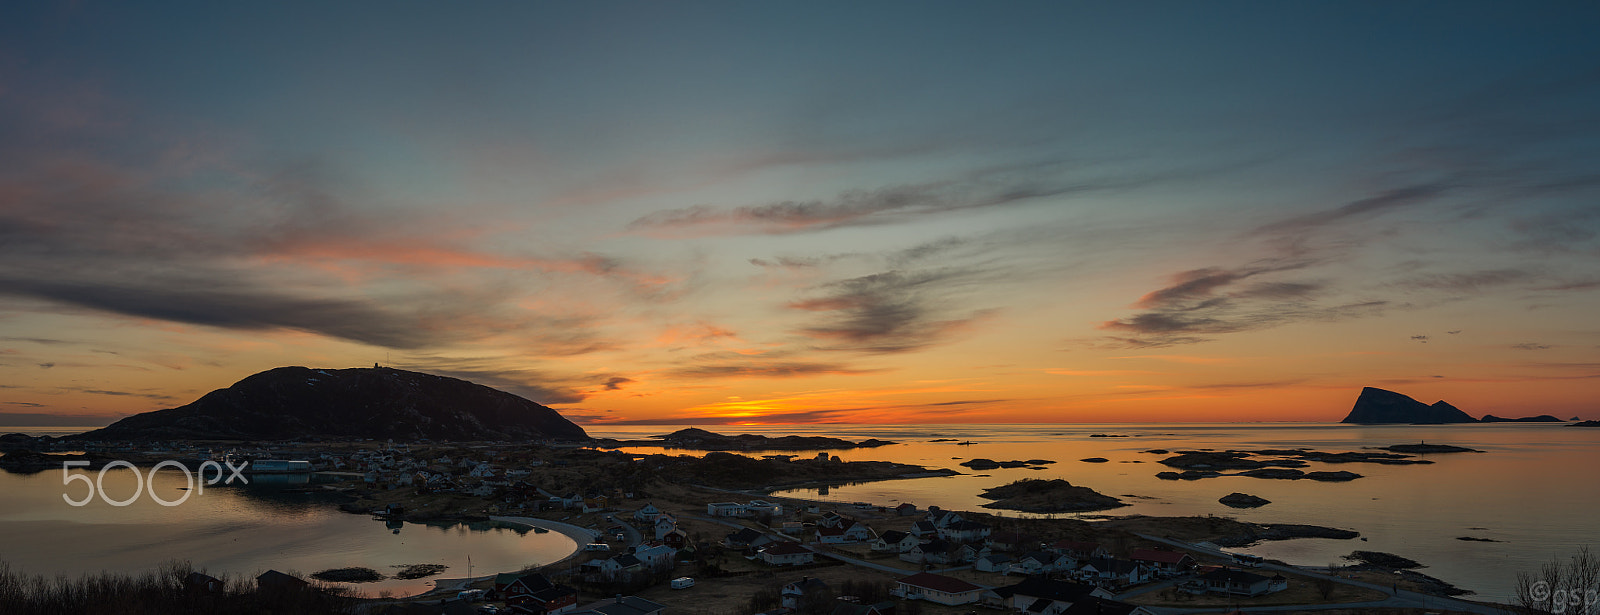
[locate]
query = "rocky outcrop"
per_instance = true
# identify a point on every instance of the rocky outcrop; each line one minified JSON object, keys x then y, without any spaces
{"x":298,"y":403}
{"x":1377,"y":406}
{"x":1243,"y":500}
{"x":1048,"y":496}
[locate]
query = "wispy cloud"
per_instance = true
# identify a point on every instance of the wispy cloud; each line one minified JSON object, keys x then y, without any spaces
{"x":766,"y":369}
{"x":988,"y":188}
{"x":889,"y":312}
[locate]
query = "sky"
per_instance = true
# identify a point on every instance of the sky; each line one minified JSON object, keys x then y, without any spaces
{"x":830,"y":212}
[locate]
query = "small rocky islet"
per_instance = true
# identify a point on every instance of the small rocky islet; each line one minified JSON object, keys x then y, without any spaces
{"x":1048,"y":496}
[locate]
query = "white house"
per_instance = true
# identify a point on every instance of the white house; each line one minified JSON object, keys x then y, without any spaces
{"x":763,"y":507}
{"x":646,"y":512}
{"x":993,"y":562}
{"x":854,"y":533}
{"x":656,"y":556}
{"x":936,"y":588}
{"x":1119,"y":571}
{"x":964,"y":531}
{"x":942,"y":518}
{"x":895,"y":541}
{"x":786,"y":554}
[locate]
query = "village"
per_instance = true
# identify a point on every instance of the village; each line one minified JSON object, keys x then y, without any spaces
{"x":684,"y":534}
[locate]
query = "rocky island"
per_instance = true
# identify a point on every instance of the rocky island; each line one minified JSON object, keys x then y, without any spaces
{"x":1048,"y":496}
{"x":1377,"y":406}
{"x":697,"y":439}
{"x":1243,"y":500}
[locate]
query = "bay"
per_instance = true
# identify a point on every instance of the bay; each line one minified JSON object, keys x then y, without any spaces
{"x":1533,"y":488}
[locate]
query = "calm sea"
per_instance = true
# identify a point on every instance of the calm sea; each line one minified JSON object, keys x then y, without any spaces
{"x":1534,"y":489}
{"x":237,"y":531}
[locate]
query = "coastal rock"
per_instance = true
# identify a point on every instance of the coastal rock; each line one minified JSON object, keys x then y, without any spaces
{"x":1094,"y":460}
{"x":294,"y":403}
{"x":1279,"y":473}
{"x":1333,"y":477}
{"x":418,"y":571}
{"x":722,"y":470}
{"x":1243,"y":500}
{"x":1187,"y":475}
{"x":1421,"y":449}
{"x":1476,"y":539}
{"x":1378,"y":406}
{"x":1198,"y":460}
{"x":990,"y":464}
{"x":1048,"y":496}
{"x":1586,"y":424}
{"x":349,"y":575}
{"x":1383,"y":560}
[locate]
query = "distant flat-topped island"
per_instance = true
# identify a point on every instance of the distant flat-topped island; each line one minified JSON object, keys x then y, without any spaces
{"x":697,"y":439}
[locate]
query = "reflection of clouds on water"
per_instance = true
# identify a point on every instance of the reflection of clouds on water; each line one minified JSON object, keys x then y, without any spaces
{"x":242,"y":530}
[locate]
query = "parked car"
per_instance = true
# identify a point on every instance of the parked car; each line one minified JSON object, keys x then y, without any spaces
{"x":682,"y":583}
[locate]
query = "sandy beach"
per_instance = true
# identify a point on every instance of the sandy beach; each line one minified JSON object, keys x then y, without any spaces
{"x":579,"y":535}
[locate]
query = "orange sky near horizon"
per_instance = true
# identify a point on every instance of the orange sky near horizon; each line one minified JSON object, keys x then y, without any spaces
{"x":651,"y":213}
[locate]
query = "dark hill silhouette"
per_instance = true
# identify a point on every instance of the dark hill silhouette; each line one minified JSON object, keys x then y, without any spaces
{"x":290,"y":403}
{"x":1543,"y":418}
{"x":1377,"y":406}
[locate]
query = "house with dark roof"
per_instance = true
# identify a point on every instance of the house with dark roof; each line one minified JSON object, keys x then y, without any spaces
{"x":744,"y":538}
{"x":201,"y":582}
{"x":786,"y":554}
{"x":1080,"y":550}
{"x":993,"y":562}
{"x":1033,"y":589}
{"x":1240,"y":583}
{"x":1095,"y":605}
{"x":795,"y":592}
{"x":1162,"y":560}
{"x":937,"y":588}
{"x":964,"y":531}
{"x":895,"y":541}
{"x":846,"y":608}
{"x":1035,"y":562}
{"x":535,"y":593}
{"x":621,"y":605}
{"x":1113,"y":572}
{"x":273,"y":580}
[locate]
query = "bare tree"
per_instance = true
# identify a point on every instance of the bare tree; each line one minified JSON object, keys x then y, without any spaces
{"x":1563,"y":588}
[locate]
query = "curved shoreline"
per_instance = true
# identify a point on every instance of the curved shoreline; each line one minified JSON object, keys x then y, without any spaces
{"x":579,"y":535}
